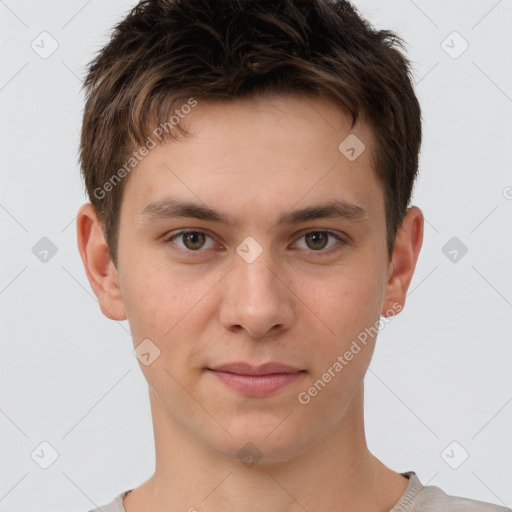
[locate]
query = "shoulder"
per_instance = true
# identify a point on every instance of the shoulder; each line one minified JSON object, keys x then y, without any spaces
{"x":116,"y":505}
{"x":434,"y":499}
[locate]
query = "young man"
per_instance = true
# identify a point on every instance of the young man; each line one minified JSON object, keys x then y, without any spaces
{"x":250,"y":166}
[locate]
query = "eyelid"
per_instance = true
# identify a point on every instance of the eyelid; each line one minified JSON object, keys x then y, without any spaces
{"x":175,"y":234}
{"x":342,"y":241}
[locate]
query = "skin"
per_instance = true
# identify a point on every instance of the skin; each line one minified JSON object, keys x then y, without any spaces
{"x":297,"y":304}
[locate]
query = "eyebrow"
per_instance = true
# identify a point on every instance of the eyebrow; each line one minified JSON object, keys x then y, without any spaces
{"x":170,"y":208}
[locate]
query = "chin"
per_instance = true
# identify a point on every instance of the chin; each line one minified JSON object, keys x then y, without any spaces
{"x":261,"y":443}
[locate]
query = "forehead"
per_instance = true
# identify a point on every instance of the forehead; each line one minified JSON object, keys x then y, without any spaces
{"x":260,"y":154}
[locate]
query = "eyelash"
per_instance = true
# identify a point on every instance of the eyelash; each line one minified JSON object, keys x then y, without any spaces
{"x":320,"y":252}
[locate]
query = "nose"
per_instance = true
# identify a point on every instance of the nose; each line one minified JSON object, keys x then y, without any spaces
{"x":256,"y":298}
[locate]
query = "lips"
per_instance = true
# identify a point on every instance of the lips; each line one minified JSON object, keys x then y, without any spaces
{"x":256,"y":381}
{"x":264,"y":369}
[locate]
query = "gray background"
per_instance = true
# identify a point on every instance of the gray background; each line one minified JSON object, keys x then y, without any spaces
{"x":441,"y":370}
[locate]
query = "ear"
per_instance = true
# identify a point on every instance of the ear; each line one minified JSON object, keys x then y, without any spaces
{"x":409,"y":239}
{"x":100,"y":270}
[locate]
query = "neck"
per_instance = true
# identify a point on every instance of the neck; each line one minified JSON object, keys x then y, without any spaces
{"x":336,"y":472}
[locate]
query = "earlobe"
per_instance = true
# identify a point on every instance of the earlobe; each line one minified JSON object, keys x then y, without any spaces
{"x":95,"y":254}
{"x":409,"y":240}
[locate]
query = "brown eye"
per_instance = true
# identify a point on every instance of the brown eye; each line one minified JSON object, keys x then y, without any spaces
{"x":193,"y":240}
{"x":317,"y":239}
{"x":320,"y":241}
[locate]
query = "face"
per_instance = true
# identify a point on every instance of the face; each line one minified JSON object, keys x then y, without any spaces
{"x":256,"y":240}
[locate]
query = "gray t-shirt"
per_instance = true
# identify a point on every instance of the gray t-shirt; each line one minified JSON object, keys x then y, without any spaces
{"x":416,"y":498}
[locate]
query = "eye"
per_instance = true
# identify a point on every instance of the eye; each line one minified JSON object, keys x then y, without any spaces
{"x":317,"y":241}
{"x":192,"y":241}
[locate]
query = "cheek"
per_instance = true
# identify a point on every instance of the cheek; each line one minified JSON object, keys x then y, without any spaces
{"x":343,"y":304}
{"x":346,"y":320}
{"x":166,"y":305}
{"x":151,"y":306}
{"x":343,"y":347}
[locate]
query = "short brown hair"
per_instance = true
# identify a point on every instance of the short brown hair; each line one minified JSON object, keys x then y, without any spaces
{"x":165,"y":52}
